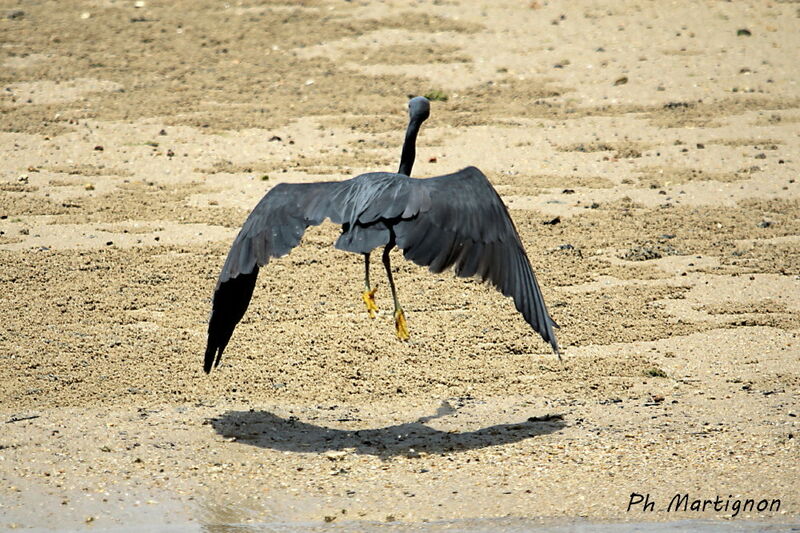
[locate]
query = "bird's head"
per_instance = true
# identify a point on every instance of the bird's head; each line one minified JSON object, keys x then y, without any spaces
{"x":419,"y":108}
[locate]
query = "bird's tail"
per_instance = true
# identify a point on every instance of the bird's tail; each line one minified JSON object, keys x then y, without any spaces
{"x":230,"y":303}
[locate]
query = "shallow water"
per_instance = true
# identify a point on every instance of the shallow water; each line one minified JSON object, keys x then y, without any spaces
{"x":454,"y":526}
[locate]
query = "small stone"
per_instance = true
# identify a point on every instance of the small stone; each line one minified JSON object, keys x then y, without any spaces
{"x":335,"y":455}
{"x":641,"y":253}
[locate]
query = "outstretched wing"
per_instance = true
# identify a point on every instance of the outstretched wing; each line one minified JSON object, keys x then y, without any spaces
{"x":459,"y":220}
{"x":275,"y":226}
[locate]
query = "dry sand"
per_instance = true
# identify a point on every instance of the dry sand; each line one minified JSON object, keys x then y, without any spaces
{"x":664,"y":137}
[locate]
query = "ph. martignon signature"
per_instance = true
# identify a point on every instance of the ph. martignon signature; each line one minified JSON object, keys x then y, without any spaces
{"x":685,"y":503}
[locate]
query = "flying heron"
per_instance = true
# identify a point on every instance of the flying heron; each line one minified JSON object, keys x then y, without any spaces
{"x":453,"y":220}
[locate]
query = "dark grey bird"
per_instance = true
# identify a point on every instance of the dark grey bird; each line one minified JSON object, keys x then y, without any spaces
{"x":454,"y":220}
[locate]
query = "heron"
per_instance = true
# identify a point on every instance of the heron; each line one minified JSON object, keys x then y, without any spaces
{"x":455,"y":220}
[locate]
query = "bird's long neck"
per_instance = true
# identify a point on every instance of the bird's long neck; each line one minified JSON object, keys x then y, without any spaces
{"x":409,"y":147}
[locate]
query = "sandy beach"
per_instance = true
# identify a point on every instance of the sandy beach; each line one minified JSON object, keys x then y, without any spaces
{"x":649,"y":154}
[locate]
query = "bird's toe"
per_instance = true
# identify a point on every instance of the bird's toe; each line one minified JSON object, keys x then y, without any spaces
{"x":400,"y":325}
{"x":369,"y":301}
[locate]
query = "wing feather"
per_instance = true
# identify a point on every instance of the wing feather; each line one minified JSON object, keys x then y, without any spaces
{"x":272,"y":229}
{"x":459,"y":220}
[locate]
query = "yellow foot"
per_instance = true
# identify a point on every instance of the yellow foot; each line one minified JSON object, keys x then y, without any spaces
{"x":400,"y":326}
{"x":369,"y":300}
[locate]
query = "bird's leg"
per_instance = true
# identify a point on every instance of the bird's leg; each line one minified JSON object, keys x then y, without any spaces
{"x":401,"y":328}
{"x":369,"y":294}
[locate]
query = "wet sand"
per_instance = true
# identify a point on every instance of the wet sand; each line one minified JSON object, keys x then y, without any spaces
{"x":648,"y":156}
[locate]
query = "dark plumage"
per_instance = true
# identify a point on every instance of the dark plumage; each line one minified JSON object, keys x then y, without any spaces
{"x":455,"y":220}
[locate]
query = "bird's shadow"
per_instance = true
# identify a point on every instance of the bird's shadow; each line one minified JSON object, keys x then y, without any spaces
{"x":268,"y":430}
